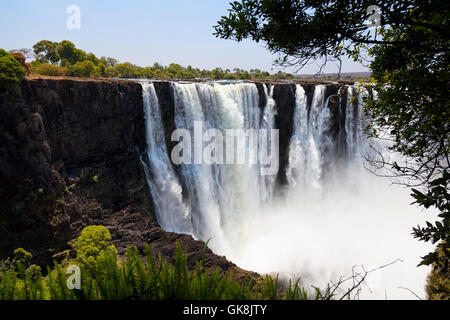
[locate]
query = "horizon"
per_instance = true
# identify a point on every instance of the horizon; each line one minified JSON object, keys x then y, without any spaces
{"x":159,"y":32}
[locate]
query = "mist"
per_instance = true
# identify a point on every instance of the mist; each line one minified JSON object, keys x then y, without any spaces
{"x":363,"y":222}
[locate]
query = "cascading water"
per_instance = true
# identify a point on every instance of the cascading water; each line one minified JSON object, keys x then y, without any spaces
{"x":220,"y":195}
{"x":304,"y":169}
{"x":327,"y":221}
{"x":164,"y":186}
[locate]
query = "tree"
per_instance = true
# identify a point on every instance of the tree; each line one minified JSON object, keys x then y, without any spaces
{"x":303,"y":31}
{"x":414,"y":109}
{"x":11,"y":71}
{"x":68,"y":51}
{"x":217,"y":73}
{"x":26,"y":52}
{"x":157,"y":66}
{"x":409,"y":55}
{"x":91,"y":57}
{"x":22,"y":60}
{"x":102,"y":69}
{"x":111,"y":62}
{"x":175,"y":70}
{"x":46,"y":51}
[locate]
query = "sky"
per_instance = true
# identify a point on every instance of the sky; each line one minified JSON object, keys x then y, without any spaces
{"x":141,"y":32}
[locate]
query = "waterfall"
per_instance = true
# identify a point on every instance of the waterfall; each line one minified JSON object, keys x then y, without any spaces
{"x":305,"y":168}
{"x":219,"y":196}
{"x":333,"y":212}
{"x":164,"y":186}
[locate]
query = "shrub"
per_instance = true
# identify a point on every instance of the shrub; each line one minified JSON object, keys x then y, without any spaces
{"x":11,"y":71}
{"x":6,"y":265}
{"x":22,"y":256}
{"x":91,"y":243}
{"x":35,"y":64}
{"x":438,"y":281}
{"x":48,"y":69}
{"x":101,"y":70}
{"x":83,"y":69}
{"x":21,"y":59}
{"x":126,"y":70}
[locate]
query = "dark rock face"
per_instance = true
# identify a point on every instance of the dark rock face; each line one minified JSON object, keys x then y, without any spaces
{"x":309,"y":92}
{"x":68,"y":148}
{"x":261,"y":95}
{"x":284,"y":96}
{"x":164,"y":91}
{"x":337,"y":104}
{"x":166,"y":100}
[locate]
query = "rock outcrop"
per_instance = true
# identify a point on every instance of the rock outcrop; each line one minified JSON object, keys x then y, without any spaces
{"x":68,"y":149}
{"x":284,"y":96}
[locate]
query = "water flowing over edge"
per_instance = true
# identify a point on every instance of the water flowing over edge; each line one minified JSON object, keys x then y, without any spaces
{"x":328,"y":204}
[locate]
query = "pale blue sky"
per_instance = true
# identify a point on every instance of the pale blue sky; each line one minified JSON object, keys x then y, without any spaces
{"x":138,"y":31}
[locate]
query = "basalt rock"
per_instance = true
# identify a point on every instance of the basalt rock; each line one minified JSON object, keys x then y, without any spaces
{"x":68,"y":149}
{"x":284,"y":96}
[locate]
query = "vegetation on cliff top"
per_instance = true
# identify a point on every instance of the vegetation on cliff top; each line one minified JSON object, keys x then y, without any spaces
{"x":11,"y":71}
{"x":64,"y":59}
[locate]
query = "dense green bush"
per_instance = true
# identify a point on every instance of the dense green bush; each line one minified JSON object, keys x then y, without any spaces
{"x":126,"y":70}
{"x":11,"y":71}
{"x":22,"y":256}
{"x":20,"y":57}
{"x":83,"y":69}
{"x":48,"y":69}
{"x":92,"y":242}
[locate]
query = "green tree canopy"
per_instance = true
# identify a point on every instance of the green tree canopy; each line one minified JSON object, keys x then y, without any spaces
{"x":46,"y":51}
{"x":11,"y":71}
{"x":68,"y":51}
{"x":302,"y":31}
{"x":83,"y":69}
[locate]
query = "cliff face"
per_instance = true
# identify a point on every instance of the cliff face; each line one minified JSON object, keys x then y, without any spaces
{"x":68,"y":154}
{"x":284,"y":96}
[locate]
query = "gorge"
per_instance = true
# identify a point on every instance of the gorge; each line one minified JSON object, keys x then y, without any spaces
{"x":76,"y":153}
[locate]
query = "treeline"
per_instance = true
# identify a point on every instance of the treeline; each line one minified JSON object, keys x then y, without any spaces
{"x":65,"y":59}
